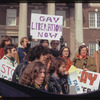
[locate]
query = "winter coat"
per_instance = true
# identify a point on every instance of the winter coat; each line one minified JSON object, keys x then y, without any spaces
{"x":88,"y":61}
{"x":18,"y":71}
{"x":58,"y":86}
{"x":96,"y":56}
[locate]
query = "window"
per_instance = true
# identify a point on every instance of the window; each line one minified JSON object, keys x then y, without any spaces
{"x":94,"y":19}
{"x":36,"y":11}
{"x":62,"y":13}
{"x":11,"y":17}
{"x":92,"y":48}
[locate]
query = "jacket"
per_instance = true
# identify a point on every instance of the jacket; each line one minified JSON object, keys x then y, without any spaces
{"x":58,"y":86}
{"x":18,"y":71}
{"x":88,"y":61}
{"x":1,"y":52}
{"x":96,"y":56}
{"x":21,"y":53}
{"x":9,"y":61}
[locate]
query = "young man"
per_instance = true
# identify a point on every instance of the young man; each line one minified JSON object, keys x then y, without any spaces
{"x":8,"y":58}
{"x":57,"y":82}
{"x":36,"y":53}
{"x":54,"y":48}
{"x":22,"y":51}
{"x":34,"y":75}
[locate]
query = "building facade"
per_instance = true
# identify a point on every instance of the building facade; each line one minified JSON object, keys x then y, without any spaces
{"x":15,"y":22}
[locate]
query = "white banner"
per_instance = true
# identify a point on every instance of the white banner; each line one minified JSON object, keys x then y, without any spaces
{"x":46,"y":26}
{"x":89,"y":80}
{"x":73,"y":80}
{"x":6,"y":71}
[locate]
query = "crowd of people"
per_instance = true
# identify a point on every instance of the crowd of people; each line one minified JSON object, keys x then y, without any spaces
{"x":42,"y":67}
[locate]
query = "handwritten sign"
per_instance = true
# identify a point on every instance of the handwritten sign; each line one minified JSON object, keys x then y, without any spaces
{"x":89,"y":80}
{"x":73,"y":80}
{"x":6,"y":71}
{"x":46,"y":26}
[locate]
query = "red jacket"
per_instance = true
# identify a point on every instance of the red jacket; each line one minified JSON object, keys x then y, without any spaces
{"x":1,"y":52}
{"x":69,"y":63}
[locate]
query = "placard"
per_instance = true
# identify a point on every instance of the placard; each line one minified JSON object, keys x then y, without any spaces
{"x":46,"y":26}
{"x":89,"y":80}
{"x":6,"y":71}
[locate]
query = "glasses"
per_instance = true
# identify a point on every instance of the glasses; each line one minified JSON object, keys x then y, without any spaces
{"x":55,"y":44}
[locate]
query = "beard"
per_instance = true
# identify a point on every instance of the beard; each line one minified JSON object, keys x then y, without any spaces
{"x":60,"y":74}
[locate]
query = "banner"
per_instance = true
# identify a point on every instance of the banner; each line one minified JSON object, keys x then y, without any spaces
{"x":89,"y":80}
{"x":73,"y":80}
{"x":6,"y":71}
{"x":46,"y":26}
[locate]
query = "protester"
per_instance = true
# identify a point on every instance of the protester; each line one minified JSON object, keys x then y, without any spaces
{"x":49,"y":59}
{"x":96,"y":56}
{"x":40,"y":53}
{"x":5,"y":40}
{"x":83,"y":61}
{"x":22,"y":51}
{"x":10,"y":51}
{"x":9,"y":61}
{"x":34,"y":75}
{"x":54,"y":48}
{"x":20,"y":68}
{"x":44,"y":43}
{"x":36,"y":53}
{"x":65,"y":54}
{"x":57,"y":82}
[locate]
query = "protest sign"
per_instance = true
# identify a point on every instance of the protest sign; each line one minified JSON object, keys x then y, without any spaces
{"x":6,"y":71}
{"x":89,"y":80}
{"x":73,"y":80}
{"x":46,"y":26}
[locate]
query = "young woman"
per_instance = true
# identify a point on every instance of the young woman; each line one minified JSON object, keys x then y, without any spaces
{"x":83,"y":61}
{"x":5,"y":40}
{"x":65,"y":54}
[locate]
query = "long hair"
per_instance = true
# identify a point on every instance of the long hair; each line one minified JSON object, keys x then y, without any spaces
{"x":31,"y":73}
{"x":3,"y":40}
{"x":60,"y":54}
{"x":55,"y":64}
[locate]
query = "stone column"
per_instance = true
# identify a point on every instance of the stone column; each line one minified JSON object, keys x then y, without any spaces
{"x":72,"y":32}
{"x":50,"y":11}
{"x":22,"y":21}
{"x":78,"y":25}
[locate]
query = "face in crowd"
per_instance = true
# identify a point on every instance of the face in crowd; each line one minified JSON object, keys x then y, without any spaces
{"x":61,"y":70}
{"x":43,"y":58}
{"x":12,"y":52}
{"x":65,"y":52}
{"x":54,"y":44}
{"x":24,"y":43}
{"x":83,"y":51}
{"x":7,"y":42}
{"x":45,"y":44}
{"x":40,"y":78}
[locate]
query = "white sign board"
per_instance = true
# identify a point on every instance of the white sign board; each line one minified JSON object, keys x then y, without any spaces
{"x":89,"y":80}
{"x":73,"y":80}
{"x":6,"y":71}
{"x":46,"y":26}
